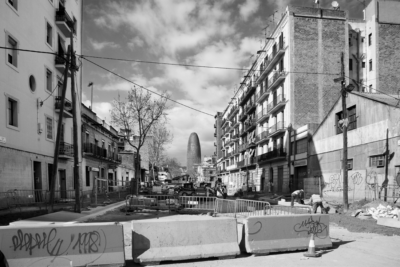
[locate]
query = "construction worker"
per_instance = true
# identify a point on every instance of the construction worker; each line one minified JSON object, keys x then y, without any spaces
{"x":298,"y":195}
{"x":244,"y":189}
{"x":316,"y":201}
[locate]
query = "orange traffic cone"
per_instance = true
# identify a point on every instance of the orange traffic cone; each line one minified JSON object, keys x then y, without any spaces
{"x":311,"y":249}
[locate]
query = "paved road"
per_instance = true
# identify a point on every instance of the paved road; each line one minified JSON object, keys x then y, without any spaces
{"x":350,"y":249}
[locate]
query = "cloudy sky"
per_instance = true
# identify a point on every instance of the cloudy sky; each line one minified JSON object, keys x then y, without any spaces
{"x":201,"y":32}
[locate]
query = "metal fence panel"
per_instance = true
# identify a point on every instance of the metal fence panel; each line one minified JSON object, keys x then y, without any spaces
{"x":288,"y":210}
{"x":197,"y":202}
{"x":245,"y":207}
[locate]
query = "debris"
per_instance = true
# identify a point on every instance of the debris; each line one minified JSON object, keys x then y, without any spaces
{"x":356,"y":213}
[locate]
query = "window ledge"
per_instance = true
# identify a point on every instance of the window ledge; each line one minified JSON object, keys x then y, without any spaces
{"x":15,"y":128}
{"x":12,"y":66}
{"x":12,"y":8}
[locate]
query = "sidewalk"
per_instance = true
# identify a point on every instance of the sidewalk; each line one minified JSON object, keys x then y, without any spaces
{"x":63,"y":217}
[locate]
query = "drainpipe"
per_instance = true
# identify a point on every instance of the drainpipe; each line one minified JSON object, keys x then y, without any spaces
{"x":289,"y":154}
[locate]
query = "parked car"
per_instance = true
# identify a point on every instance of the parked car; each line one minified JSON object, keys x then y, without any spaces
{"x":188,"y":189}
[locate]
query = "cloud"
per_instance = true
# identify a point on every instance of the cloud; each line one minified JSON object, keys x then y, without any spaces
{"x":135,"y":42}
{"x":248,"y":8}
{"x":101,"y":45}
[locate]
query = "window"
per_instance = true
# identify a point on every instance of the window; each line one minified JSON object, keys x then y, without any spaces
{"x":49,"y":128}
{"x":102,"y":172}
{"x":13,"y":3}
{"x":377,"y":161}
{"x":301,"y":146}
{"x":32,"y":83}
{"x":370,"y":39}
{"x":12,"y":112}
{"x":352,"y":117}
{"x":87,"y":173}
{"x":349,"y":164}
{"x":49,"y":80}
{"x":362,"y":39}
{"x":370,"y":65}
{"x":350,"y":64}
{"x":351,"y":114}
{"x":49,"y":34}
{"x":370,"y":88}
{"x":363,"y":64}
{"x":12,"y":54}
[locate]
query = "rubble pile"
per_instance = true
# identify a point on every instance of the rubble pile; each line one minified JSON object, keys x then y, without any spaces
{"x":380,"y":211}
{"x":384,"y":212}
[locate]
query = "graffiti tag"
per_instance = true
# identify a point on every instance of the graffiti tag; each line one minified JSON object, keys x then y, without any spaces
{"x":312,"y":227}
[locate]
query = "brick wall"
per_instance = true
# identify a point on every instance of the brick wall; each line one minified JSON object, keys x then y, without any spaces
{"x":389,"y":58}
{"x":317,"y":46}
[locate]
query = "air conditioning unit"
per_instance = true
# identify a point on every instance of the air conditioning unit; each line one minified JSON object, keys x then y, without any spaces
{"x":381,"y":163}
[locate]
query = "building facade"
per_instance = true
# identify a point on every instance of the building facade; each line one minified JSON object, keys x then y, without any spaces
{"x":373,"y":123}
{"x":100,"y":153}
{"x":30,"y":89}
{"x":289,"y":85}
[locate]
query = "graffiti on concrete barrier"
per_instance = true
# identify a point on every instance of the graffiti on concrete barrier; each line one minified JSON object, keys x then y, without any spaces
{"x":311,"y":226}
{"x":259,"y":229}
{"x":53,"y":245}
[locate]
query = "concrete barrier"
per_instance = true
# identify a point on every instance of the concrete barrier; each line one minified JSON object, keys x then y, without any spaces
{"x":63,"y":245}
{"x":285,"y":233}
{"x":183,"y":238}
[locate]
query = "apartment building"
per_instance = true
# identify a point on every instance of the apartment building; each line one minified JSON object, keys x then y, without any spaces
{"x":100,"y":153}
{"x":30,"y":89}
{"x":289,"y":85}
{"x":374,"y":46}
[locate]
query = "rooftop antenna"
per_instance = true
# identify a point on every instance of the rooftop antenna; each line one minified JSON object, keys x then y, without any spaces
{"x":335,"y":5}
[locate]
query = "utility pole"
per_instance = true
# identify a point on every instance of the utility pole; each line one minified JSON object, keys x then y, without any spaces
{"x":75,"y":126}
{"x":59,"y":126}
{"x":345,"y":122}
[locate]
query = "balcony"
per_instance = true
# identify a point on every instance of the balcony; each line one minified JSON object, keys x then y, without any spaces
{"x":215,"y":134}
{"x":60,"y":63}
{"x":276,"y":79}
{"x":251,"y":105}
{"x":250,"y":124}
{"x":278,"y":103}
{"x":250,"y":161}
{"x":262,"y":137}
{"x":243,"y":147}
{"x":276,"y":154}
{"x":64,"y":21}
{"x":275,"y":56}
{"x":231,"y":167}
{"x":279,"y":127}
{"x":247,"y":94}
{"x":66,"y":151}
{"x":242,"y":132}
{"x":91,"y":149}
{"x":240,"y":164}
{"x":264,"y":116}
{"x":262,"y":95}
{"x":234,"y":110}
{"x":67,"y":107}
{"x":243,"y":116}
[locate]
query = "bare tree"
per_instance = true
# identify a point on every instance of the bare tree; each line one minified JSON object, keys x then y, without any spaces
{"x":136,"y":117}
{"x":161,"y":137}
{"x":174,"y":167}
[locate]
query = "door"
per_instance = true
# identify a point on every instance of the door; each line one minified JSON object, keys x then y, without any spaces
{"x":271,"y":180}
{"x":300,"y":174}
{"x":37,"y":181}
{"x":280,"y":178}
{"x":63,"y":183}
{"x":110,"y":182}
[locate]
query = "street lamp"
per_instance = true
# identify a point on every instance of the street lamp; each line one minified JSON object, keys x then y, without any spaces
{"x":91,"y":95}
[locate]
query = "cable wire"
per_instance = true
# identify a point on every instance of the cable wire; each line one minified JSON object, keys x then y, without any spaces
{"x":42,"y":102}
{"x":140,"y":86}
{"x":28,"y":50}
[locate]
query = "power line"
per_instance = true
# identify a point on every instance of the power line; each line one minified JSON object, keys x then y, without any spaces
{"x":140,"y":86}
{"x":28,"y":50}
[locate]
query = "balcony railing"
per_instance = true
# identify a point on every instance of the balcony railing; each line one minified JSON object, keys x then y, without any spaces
{"x":278,"y":152}
{"x":66,"y":150}
{"x":67,"y":107}
{"x":276,"y":78}
{"x":99,"y":152}
{"x":279,"y":101}
{"x":278,"y":127}
{"x":64,"y":21}
{"x":240,"y":164}
{"x":269,"y":63}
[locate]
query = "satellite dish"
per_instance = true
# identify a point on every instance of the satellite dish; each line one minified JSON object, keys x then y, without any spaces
{"x":335,"y":5}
